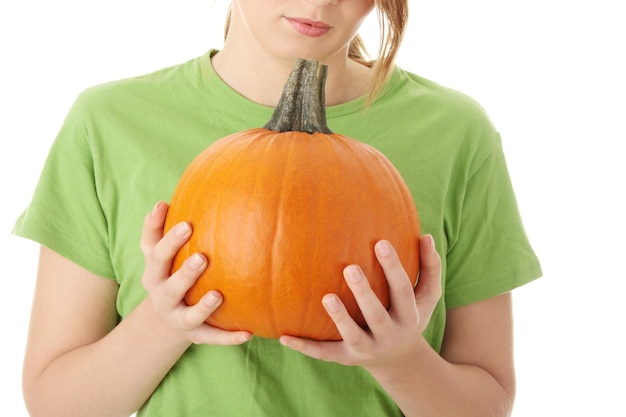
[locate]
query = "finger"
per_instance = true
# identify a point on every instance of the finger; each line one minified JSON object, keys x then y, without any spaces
{"x":428,"y":290}
{"x":159,"y":259}
{"x":167,"y":247}
{"x":326,"y":351}
{"x":194,"y":317}
{"x":206,"y":334}
{"x":352,"y":334}
{"x":152,"y":230}
{"x":375,"y":314}
{"x":401,"y":291}
{"x":175,"y":288}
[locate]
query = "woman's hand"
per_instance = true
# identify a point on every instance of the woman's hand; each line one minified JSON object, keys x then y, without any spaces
{"x":167,"y":292}
{"x":393,"y":336}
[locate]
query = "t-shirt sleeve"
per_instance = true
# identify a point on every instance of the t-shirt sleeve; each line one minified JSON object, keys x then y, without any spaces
{"x":490,"y":254}
{"x":65,"y":214}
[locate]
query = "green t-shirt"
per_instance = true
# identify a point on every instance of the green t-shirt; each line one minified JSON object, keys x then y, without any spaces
{"x":124,"y":145}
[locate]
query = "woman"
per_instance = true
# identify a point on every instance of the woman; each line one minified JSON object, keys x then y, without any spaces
{"x":103,"y":344}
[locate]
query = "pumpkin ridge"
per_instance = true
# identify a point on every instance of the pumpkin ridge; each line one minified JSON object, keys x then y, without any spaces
{"x":256,"y":295}
{"x":355,"y":162}
{"x":325,"y":144}
{"x":275,"y":249}
{"x":228,"y":146}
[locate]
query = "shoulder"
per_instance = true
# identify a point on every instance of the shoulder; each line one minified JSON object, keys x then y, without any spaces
{"x":431,"y":99}
{"x":161,"y":85}
{"x":427,"y":112}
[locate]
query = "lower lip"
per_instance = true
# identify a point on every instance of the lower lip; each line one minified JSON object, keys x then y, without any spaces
{"x":307,"y":29}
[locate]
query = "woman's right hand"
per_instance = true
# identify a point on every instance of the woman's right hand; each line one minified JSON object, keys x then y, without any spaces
{"x":166,"y":292}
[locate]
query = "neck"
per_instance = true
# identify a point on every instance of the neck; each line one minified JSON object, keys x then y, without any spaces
{"x":261,"y":78}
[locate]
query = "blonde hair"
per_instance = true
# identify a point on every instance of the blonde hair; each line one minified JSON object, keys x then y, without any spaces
{"x":393,"y":17}
{"x":392,"y":20}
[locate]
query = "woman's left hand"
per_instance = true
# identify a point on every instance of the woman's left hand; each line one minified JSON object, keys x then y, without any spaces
{"x":392,"y":336}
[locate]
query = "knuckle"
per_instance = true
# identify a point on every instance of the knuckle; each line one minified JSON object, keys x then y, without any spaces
{"x":189,"y":322}
{"x":155,"y":254}
{"x":434,"y":260}
{"x":354,"y":340}
{"x":146,"y":282}
{"x":159,"y":307}
{"x":147,"y":247}
{"x":169,"y":291}
{"x":195,"y":338}
{"x":151,"y":256}
{"x":405,"y":288}
{"x":143,"y":245}
{"x":378,"y":317}
{"x":437,"y":293}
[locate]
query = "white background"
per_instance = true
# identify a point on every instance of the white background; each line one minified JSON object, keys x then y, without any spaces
{"x":549,"y":72}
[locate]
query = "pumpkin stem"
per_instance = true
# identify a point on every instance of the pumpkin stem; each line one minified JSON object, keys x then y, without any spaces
{"x":302,"y":106}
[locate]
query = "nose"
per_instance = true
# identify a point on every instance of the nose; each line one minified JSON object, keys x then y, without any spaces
{"x":323,"y":2}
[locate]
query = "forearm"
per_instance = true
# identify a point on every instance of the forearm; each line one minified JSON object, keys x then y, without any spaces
{"x":431,"y":386}
{"x":111,"y":377}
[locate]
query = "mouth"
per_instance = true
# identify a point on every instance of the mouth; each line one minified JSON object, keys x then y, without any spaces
{"x":308,"y":27}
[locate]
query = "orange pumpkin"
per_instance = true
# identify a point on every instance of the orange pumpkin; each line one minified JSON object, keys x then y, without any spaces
{"x":281,"y":210}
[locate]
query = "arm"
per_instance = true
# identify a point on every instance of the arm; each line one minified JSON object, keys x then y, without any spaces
{"x":473,"y":375}
{"x":80,"y":362}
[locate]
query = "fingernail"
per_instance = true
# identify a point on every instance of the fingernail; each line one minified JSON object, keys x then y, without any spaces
{"x":331,"y":303}
{"x":196,"y":261}
{"x":383,"y":248}
{"x":291,"y":343}
{"x":156,"y":208}
{"x":432,"y":243}
{"x":352,"y":274}
{"x":182,"y":229}
{"x":212,"y":298}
